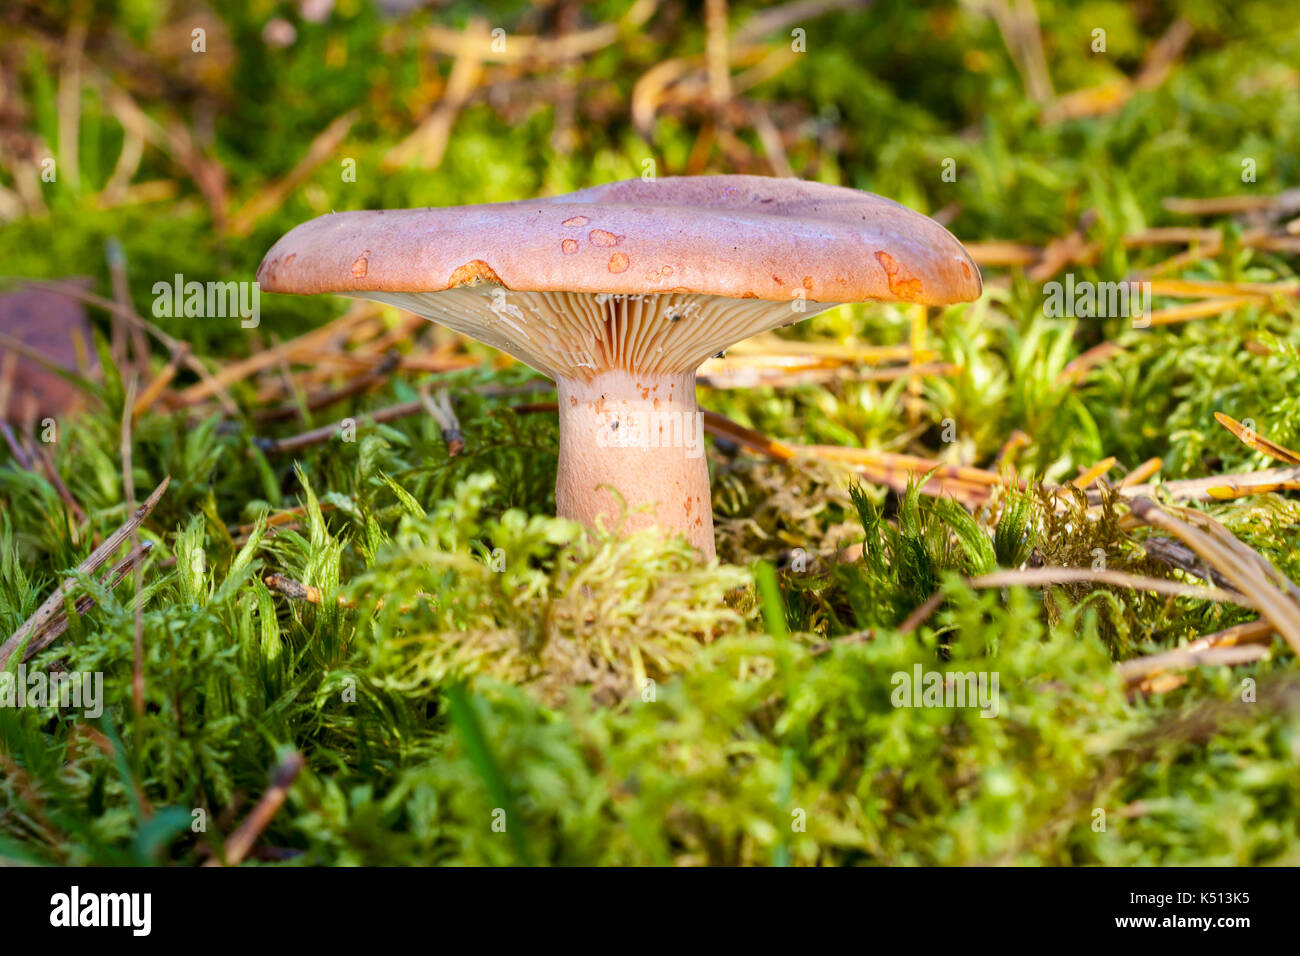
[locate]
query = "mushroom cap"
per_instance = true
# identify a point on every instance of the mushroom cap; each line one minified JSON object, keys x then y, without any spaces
{"x":738,"y":237}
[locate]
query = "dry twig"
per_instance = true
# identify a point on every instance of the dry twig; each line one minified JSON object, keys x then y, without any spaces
{"x":53,"y":605}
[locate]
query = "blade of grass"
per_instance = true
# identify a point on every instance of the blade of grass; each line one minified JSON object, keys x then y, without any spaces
{"x":769,"y":596}
{"x":485,"y":763}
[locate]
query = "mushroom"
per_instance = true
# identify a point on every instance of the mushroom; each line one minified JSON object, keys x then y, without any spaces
{"x":620,"y":292}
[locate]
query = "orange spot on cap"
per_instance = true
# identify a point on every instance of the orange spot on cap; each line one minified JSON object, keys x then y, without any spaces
{"x":472,"y":273}
{"x":902,"y":283}
{"x":618,"y":262}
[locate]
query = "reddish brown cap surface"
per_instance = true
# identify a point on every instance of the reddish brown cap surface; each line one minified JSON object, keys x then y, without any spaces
{"x":743,"y":237}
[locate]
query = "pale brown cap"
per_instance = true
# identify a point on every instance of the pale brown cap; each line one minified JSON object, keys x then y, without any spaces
{"x":741,"y":237}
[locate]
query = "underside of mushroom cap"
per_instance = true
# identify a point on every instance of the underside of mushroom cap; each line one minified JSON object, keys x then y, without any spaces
{"x":583,"y":334}
{"x":738,"y":237}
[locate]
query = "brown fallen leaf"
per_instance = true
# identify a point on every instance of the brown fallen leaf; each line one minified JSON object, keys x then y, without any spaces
{"x":40,"y":333}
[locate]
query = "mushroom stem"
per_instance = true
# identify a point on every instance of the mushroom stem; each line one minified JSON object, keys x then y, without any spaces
{"x":642,"y":435}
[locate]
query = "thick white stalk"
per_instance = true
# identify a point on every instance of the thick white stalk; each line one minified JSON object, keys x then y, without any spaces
{"x":644,"y":436}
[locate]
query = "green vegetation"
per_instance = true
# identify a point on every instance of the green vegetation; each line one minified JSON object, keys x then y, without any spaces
{"x":471,"y":659}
